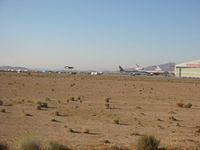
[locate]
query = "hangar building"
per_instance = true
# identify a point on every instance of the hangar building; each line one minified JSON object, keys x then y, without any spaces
{"x":189,"y":69}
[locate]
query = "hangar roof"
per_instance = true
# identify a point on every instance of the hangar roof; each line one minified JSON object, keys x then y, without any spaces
{"x":190,"y":64}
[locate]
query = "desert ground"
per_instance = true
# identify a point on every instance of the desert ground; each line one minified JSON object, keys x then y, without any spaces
{"x":94,"y":112}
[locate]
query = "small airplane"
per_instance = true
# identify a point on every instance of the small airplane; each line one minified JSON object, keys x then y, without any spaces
{"x":68,"y":67}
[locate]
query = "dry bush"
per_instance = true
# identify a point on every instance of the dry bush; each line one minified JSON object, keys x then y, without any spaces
{"x":148,"y":143}
{"x":27,"y":114}
{"x":54,"y":120}
{"x":38,"y":107}
{"x":72,"y":98}
{"x":180,"y":105}
{"x":106,"y":141}
{"x":57,"y":113}
{"x":107,"y":106}
{"x":73,"y":84}
{"x":47,"y":99}
{"x":107,"y":100}
{"x":116,"y":121}
{"x":3,"y":111}
{"x":3,"y":146}
{"x":57,"y":146}
{"x":173,"y":118}
{"x":1,"y":103}
{"x":138,"y":107}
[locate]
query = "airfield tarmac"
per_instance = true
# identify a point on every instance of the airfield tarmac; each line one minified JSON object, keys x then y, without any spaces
{"x":77,"y":115}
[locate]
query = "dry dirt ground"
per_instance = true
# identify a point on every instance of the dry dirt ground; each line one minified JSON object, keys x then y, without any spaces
{"x":77,"y":103}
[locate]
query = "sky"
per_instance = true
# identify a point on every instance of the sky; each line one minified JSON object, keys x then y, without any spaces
{"x":98,"y":34}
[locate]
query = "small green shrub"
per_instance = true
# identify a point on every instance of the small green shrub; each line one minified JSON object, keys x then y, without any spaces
{"x":56,"y":146}
{"x":30,"y":144}
{"x":39,"y":102}
{"x":47,"y":99}
{"x":189,"y":105}
{"x":148,"y":143}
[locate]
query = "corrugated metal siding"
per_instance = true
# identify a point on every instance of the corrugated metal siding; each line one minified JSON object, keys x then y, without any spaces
{"x":188,"y":72}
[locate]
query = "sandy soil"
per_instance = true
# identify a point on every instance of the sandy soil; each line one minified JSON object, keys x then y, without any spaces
{"x":142,"y":106}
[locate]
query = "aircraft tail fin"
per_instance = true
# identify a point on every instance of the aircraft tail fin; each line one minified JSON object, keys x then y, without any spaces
{"x":158,"y":68}
{"x":121,"y":69}
{"x":138,"y":66}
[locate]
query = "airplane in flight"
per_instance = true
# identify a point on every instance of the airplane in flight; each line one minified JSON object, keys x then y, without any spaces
{"x":69,"y":67}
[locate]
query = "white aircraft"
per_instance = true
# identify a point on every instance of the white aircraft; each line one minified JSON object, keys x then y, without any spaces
{"x":136,"y":71}
{"x":138,"y":67}
{"x":141,"y":71}
{"x":158,"y":71}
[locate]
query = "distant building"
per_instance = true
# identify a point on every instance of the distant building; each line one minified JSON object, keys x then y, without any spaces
{"x":189,"y":69}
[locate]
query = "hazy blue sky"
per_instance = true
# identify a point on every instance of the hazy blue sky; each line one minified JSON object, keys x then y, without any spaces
{"x":100,"y":34}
